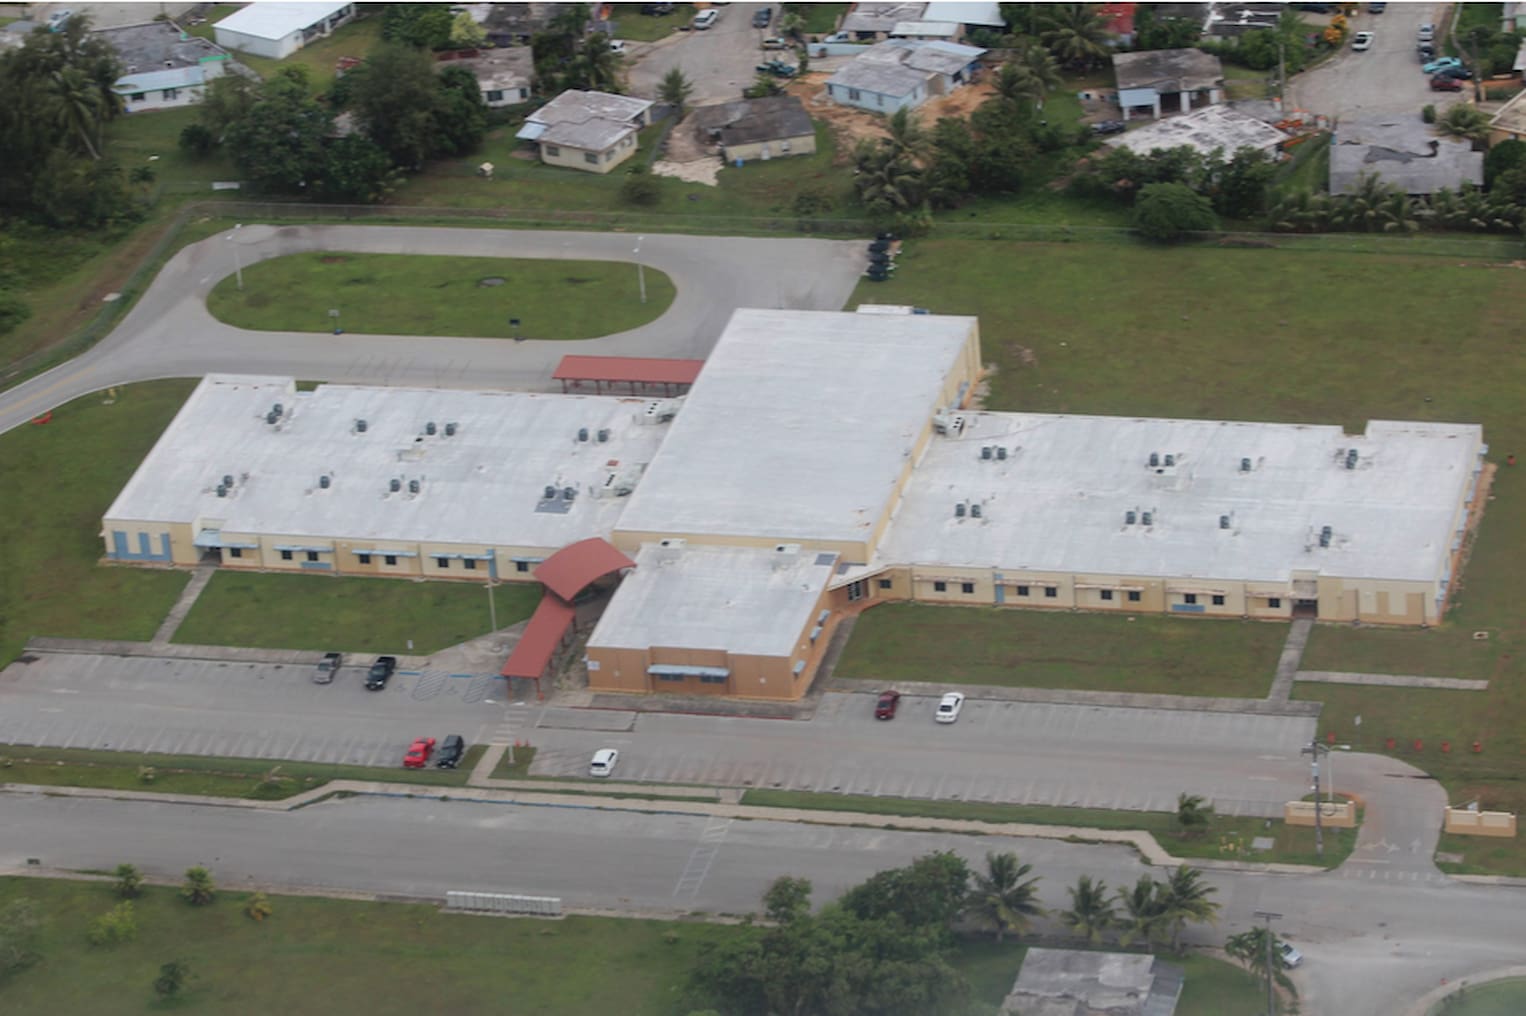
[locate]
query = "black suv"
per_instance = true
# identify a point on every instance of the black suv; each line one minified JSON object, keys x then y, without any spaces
{"x":451,"y":750}
{"x":763,"y":17}
{"x":381,"y":673}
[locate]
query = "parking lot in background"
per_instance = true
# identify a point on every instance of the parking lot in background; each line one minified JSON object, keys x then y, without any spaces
{"x":240,"y":710}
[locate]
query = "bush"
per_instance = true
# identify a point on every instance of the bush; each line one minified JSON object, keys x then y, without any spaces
{"x":129,"y":881}
{"x":197,"y":139}
{"x":119,"y":924}
{"x":198,"y":890}
{"x":640,"y":188}
{"x":1428,"y":113}
{"x":811,"y":202}
{"x":1166,"y":212}
{"x":13,"y":311}
{"x":257,"y":907}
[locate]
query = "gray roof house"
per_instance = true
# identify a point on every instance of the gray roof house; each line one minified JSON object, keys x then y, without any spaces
{"x":1401,"y":150}
{"x":1204,"y":130}
{"x":903,"y":74}
{"x":757,"y":128}
{"x":162,"y":67}
{"x":505,"y":75}
{"x":1188,"y":75}
{"x":591,"y":131}
{"x":1073,"y":982}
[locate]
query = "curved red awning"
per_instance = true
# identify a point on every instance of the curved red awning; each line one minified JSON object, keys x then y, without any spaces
{"x":542,"y":635}
{"x":573,"y":567}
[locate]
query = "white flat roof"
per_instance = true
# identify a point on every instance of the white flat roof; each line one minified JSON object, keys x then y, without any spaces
{"x":270,"y":20}
{"x":743,"y":600}
{"x":799,"y":425}
{"x":1058,"y":501}
{"x":484,"y":485}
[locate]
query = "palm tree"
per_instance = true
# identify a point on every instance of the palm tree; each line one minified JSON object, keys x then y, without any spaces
{"x":1038,"y":68}
{"x":908,"y":140}
{"x":792,"y":25}
{"x":1075,"y":34}
{"x":1002,"y":898}
{"x":1464,"y":121}
{"x":198,"y":889}
{"x":888,"y":186}
{"x":1090,"y":914}
{"x":78,"y":107}
{"x":1014,"y":84}
{"x":1183,"y":898}
{"x":1301,"y":212}
{"x":1143,"y":906}
{"x":1193,"y":814}
{"x":596,"y":67}
{"x":675,"y":90}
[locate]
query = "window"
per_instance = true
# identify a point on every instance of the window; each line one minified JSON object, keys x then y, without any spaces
{"x":1274,"y":602}
{"x":967,"y":588}
{"x":1218,"y":601}
{"x":285,"y":555}
{"x":1022,"y":590}
{"x":312,"y":555}
{"x":1133,"y":596}
{"x":137,"y":96}
{"x":1189,"y":597}
{"x":592,"y":158}
{"x":854,"y":95}
{"x":364,"y":558}
{"x":389,"y":559}
{"x":521,"y":566}
{"x":609,"y":155}
{"x":885,"y":583}
{"x":553,"y":150}
{"x":170,"y":93}
{"x":469,"y":564}
{"x":235,"y":551}
{"x":1050,"y":592}
{"x":496,"y":95}
{"x":940,"y":587}
{"x":712,"y":679}
{"x":442,"y":562}
{"x":857,"y":590}
{"x":1107,"y":594}
{"x":784,"y":146}
{"x":670,"y":677}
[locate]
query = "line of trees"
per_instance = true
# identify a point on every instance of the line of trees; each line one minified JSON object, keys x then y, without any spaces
{"x":884,"y":948}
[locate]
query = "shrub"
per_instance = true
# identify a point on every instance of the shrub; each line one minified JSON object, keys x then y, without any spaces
{"x":257,"y":907}
{"x":119,"y":924}
{"x":811,"y":201}
{"x":640,"y":188}
{"x":197,"y":139}
{"x":129,"y":882}
{"x":198,"y":890}
{"x":13,"y":311}
{"x":1166,"y":212}
{"x":1428,"y":113}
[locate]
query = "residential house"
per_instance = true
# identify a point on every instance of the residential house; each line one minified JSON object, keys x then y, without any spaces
{"x":1080,"y":982}
{"x":1403,"y":151}
{"x":967,"y":15}
{"x":748,"y":129}
{"x":1119,"y":20}
{"x":873,"y":22}
{"x":516,"y":24}
{"x":902,"y":74}
{"x":277,"y":30}
{"x":162,"y":67}
{"x":1231,"y":20}
{"x":504,"y":76}
{"x":1204,"y":130}
{"x":591,"y":131}
{"x":927,"y":31}
{"x":1168,"y":80}
{"x":1509,"y":124}
{"x":1513,"y":17}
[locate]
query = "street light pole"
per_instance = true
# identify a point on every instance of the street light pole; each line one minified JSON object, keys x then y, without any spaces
{"x":492,"y":608}
{"x":640,"y":269}
{"x":1269,"y":917}
{"x":1313,"y":751}
{"x":238,"y":264}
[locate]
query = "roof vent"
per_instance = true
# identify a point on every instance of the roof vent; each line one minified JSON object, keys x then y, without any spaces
{"x":947,"y":423}
{"x":985,"y":451}
{"x":603,"y":434}
{"x":1001,"y":452}
{"x":1245,"y":465}
{"x":1223,"y":521}
{"x":671,"y":543}
{"x":1147,"y":518}
{"x":582,"y":433}
{"x":1170,"y":460}
{"x":959,"y":509}
{"x":1324,"y":536}
{"x":394,"y":485}
{"x":568,"y":493}
{"x":549,"y":493}
{"x":1130,"y":517}
{"x":278,"y":409}
{"x":1351,"y":456}
{"x":324,"y":481}
{"x":271,"y":417}
{"x":429,"y":428}
{"x":228,"y":480}
{"x":222,"y":491}
{"x":450,"y":430}
{"x":1154,"y":459}
{"x":360,"y":426}
{"x":413,"y":486}
{"x":974,"y":511}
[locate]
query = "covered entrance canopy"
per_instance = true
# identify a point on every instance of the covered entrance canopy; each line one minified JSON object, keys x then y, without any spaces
{"x":673,"y":376}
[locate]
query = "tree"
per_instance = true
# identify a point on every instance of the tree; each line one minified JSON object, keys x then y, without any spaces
{"x":1014,"y":84}
{"x":675,"y":90}
{"x":1166,"y":212}
{"x":1243,"y":183}
{"x":1464,"y":121}
{"x":197,"y":139}
{"x":129,"y":884}
{"x":640,"y":188}
{"x":257,"y":907}
{"x":1250,"y":949}
{"x":20,"y":928}
{"x":424,"y":26}
{"x":1185,"y":897}
{"x":1144,"y":920}
{"x":792,"y":25}
{"x":465,"y":33}
{"x":279,"y":144}
{"x":787,"y":899}
{"x":1373,"y":207}
{"x":1074,"y":34}
{"x":198,"y":890}
{"x":119,"y":924}
{"x":1001,"y":898}
{"x":1154,"y":32}
{"x":78,"y":108}
{"x":355,"y":171}
{"x":947,"y":177}
{"x":596,"y":67}
{"x":225,"y":101}
{"x":887,"y":186}
{"x":1193,"y":814}
{"x":907,"y":140}
{"x":1090,"y":914}
{"x":928,"y":893}
{"x":1502,"y":158}
{"x":460,"y":114}
{"x":172,"y":978}
{"x":395,"y":97}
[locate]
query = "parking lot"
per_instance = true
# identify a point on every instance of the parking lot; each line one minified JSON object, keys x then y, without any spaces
{"x":239,"y":710}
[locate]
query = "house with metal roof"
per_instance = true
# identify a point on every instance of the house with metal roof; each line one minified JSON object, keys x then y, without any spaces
{"x":1204,"y":130}
{"x":591,"y":131}
{"x":277,"y":30}
{"x":769,"y":128}
{"x":1401,"y":150}
{"x":162,"y":66}
{"x":1168,"y":80}
{"x":903,"y":74}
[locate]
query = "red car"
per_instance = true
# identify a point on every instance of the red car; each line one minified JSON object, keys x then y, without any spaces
{"x":1442,"y":83}
{"x":884,"y":709}
{"x":418,"y":753}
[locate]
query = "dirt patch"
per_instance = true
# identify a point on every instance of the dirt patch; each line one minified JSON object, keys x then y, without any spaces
{"x":958,"y":104}
{"x":705,"y":170}
{"x":849,"y":126}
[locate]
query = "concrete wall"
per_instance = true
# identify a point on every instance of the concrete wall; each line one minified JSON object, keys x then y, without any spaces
{"x":1341,"y":815}
{"x":804,"y":144}
{"x":1479,"y":823}
{"x":576,"y":158}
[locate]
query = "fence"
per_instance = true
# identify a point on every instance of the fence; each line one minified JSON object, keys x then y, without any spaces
{"x":505,"y":903}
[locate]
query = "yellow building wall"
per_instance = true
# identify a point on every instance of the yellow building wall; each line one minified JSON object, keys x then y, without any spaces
{"x":574,"y":158}
{"x":805,"y":144}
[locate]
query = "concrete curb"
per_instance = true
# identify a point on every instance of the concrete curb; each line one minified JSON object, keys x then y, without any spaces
{"x":1118,"y":699}
{"x":1422,"y":1005}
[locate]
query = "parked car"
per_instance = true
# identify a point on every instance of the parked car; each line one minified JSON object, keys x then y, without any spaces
{"x":617,"y":46}
{"x":657,"y":10}
{"x":1427,"y":32}
{"x":327,"y":668}
{"x":1459,"y":73}
{"x":1376,"y":8}
{"x":763,"y":17}
{"x":705,"y":18}
{"x":839,"y":37}
{"x":1425,"y":50}
{"x":603,"y":762}
{"x":1290,"y":957}
{"x":1361,"y":41}
{"x":949,"y":706}
{"x":775,"y":43}
{"x":778,"y":68}
{"x":451,"y":750}
{"x":1109,"y":127}
{"x":58,"y":19}
{"x":884,"y":708}
{"x":1445,"y":84}
{"x":1436,"y":66}
{"x":381,"y":672}
{"x":418,"y":753}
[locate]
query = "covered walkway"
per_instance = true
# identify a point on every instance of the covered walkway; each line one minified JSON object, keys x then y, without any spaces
{"x":645,"y":375}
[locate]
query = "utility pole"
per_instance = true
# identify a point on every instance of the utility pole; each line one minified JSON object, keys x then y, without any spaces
{"x":1313,"y":751}
{"x":1269,"y":917}
{"x":640,"y":269}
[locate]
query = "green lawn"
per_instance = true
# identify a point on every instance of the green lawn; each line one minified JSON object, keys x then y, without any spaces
{"x":272,"y":611}
{"x":152,"y":139}
{"x":407,"y":294}
{"x":355,"y":39}
{"x":631,"y":24}
{"x":1244,"y":83}
{"x":820,"y":19}
{"x":1217,"y":988}
{"x":60,"y":479}
{"x":205,"y":775}
{"x":1226,"y":837}
{"x":1059,"y":649}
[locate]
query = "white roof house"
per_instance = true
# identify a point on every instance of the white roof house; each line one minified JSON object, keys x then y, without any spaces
{"x":1203,"y":130}
{"x":277,"y":30}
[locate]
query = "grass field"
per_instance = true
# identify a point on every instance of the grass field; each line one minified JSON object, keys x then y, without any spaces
{"x":631,"y":24}
{"x":319,"y":58}
{"x":271,"y":611}
{"x":152,"y":139}
{"x":1059,"y":649}
{"x":1226,"y":837}
{"x":205,"y":775}
{"x":405,"y":294}
{"x":820,"y":19}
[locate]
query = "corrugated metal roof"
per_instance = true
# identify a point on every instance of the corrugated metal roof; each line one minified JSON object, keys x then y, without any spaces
{"x":153,"y":81}
{"x":278,"y":20}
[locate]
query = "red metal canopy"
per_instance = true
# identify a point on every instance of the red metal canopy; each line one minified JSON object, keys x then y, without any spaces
{"x":632,"y":370}
{"x":548,"y":625}
{"x":570,"y":569}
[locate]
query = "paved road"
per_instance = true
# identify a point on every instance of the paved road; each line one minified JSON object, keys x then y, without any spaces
{"x":719,"y":62}
{"x":1371,"y":947}
{"x":1385,"y":79}
{"x":169,"y":333}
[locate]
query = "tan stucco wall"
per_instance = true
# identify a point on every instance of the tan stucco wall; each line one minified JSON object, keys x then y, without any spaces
{"x":573,"y":158}
{"x":805,"y":144}
{"x":1341,"y":815}
{"x":1479,"y":823}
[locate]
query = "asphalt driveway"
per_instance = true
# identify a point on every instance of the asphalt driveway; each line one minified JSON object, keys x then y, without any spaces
{"x":718,"y":62}
{"x":1383,"y":80}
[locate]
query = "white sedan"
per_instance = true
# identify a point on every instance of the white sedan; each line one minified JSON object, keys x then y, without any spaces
{"x":603,"y":762}
{"x":1361,"y":41}
{"x":949,"y":706}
